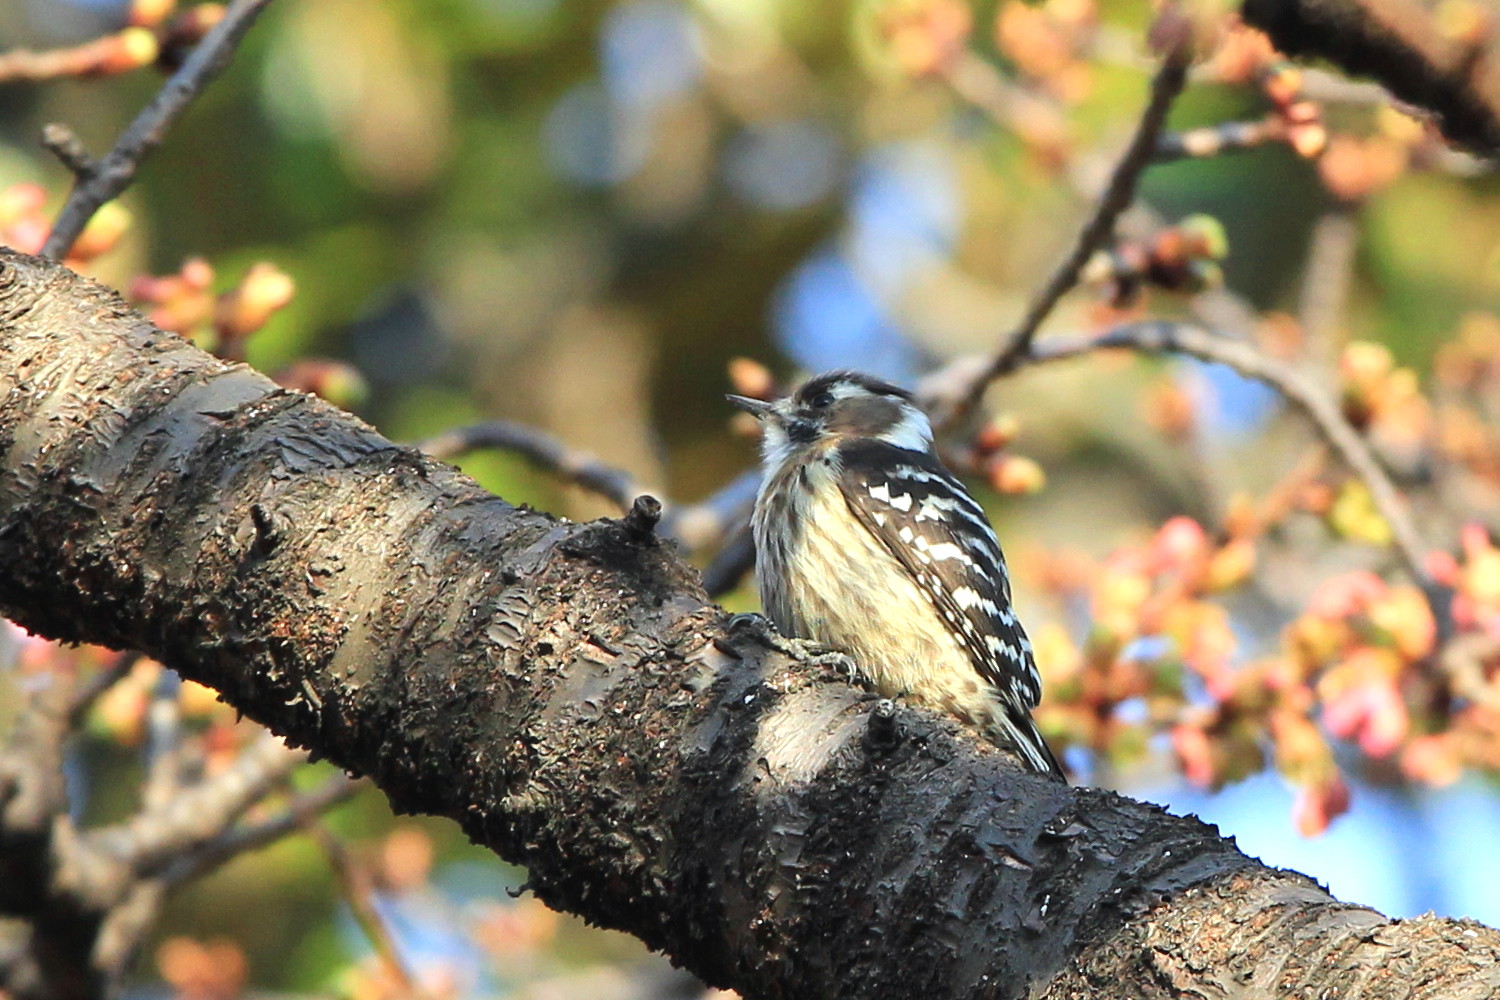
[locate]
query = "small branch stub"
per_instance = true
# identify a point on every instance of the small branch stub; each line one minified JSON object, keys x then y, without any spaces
{"x":61,"y":142}
{"x":643,"y":516}
{"x":884,"y":730}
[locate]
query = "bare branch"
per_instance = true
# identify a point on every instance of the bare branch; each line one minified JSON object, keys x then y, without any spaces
{"x":198,"y":815}
{"x":125,"y":925}
{"x":301,"y":810}
{"x":1168,"y":337}
{"x":1099,"y":229}
{"x":359,"y":893}
{"x":63,"y":143}
{"x":113,"y":174}
{"x":164,"y":743}
{"x":733,"y":561}
{"x":1215,"y":140}
{"x":119,"y":52}
{"x":545,"y":451}
{"x":696,"y":527}
{"x":1403,"y":45}
{"x":1326,"y":279}
{"x":709,"y":522}
{"x":32,"y":789}
{"x":85,"y":694}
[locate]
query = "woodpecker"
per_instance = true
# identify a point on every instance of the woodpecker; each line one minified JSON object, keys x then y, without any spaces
{"x":866,"y":542}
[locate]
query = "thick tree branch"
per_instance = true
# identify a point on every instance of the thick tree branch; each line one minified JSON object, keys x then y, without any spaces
{"x":1402,"y":44}
{"x":565,"y":693}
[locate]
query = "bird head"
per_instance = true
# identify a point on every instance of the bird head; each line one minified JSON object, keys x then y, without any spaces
{"x":834,"y":407}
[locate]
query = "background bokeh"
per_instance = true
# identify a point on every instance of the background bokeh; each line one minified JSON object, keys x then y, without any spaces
{"x":575,"y":214}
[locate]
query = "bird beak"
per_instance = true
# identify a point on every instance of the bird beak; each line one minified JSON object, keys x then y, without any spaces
{"x":759,"y":409}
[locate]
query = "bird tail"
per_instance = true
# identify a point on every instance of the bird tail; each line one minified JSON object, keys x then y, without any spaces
{"x":1016,"y":730}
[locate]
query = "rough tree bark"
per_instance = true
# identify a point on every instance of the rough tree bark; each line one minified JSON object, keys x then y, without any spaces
{"x":566,"y":693}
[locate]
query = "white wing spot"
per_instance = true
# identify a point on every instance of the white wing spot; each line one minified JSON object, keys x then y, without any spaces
{"x":947,"y":550}
{"x":932,"y":508}
{"x":967,"y":597}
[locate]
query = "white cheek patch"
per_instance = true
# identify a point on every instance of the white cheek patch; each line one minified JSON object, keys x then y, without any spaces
{"x":913,"y":432}
{"x":846,"y":390}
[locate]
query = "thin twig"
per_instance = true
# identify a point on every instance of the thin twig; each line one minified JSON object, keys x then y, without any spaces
{"x":732,"y":562}
{"x":32,"y":789}
{"x":164,"y":742}
{"x":1325,"y":282}
{"x":696,"y":527}
{"x":113,"y":174}
{"x":542,"y":449}
{"x":359,"y":892}
{"x":115,"y":53}
{"x":302,"y":809}
{"x":1099,"y":229}
{"x":1215,"y":140}
{"x":1036,"y":119}
{"x":1282,"y":497}
{"x":82,"y":697}
{"x":31,"y":782}
{"x":152,"y":838}
{"x":707,"y":523}
{"x":1168,"y":337}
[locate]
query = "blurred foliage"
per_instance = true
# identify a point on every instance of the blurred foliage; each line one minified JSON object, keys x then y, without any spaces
{"x":578,"y":214}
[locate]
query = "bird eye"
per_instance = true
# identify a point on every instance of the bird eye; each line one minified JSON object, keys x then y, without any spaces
{"x":821,"y":401}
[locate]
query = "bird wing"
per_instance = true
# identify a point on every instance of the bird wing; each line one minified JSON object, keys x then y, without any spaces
{"x":926,"y":519}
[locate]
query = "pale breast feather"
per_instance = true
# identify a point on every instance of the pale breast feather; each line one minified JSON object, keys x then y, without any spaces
{"x":928,"y":521}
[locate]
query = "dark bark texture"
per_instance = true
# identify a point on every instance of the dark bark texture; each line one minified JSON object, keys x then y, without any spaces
{"x":566,"y":693}
{"x":1399,"y":43}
